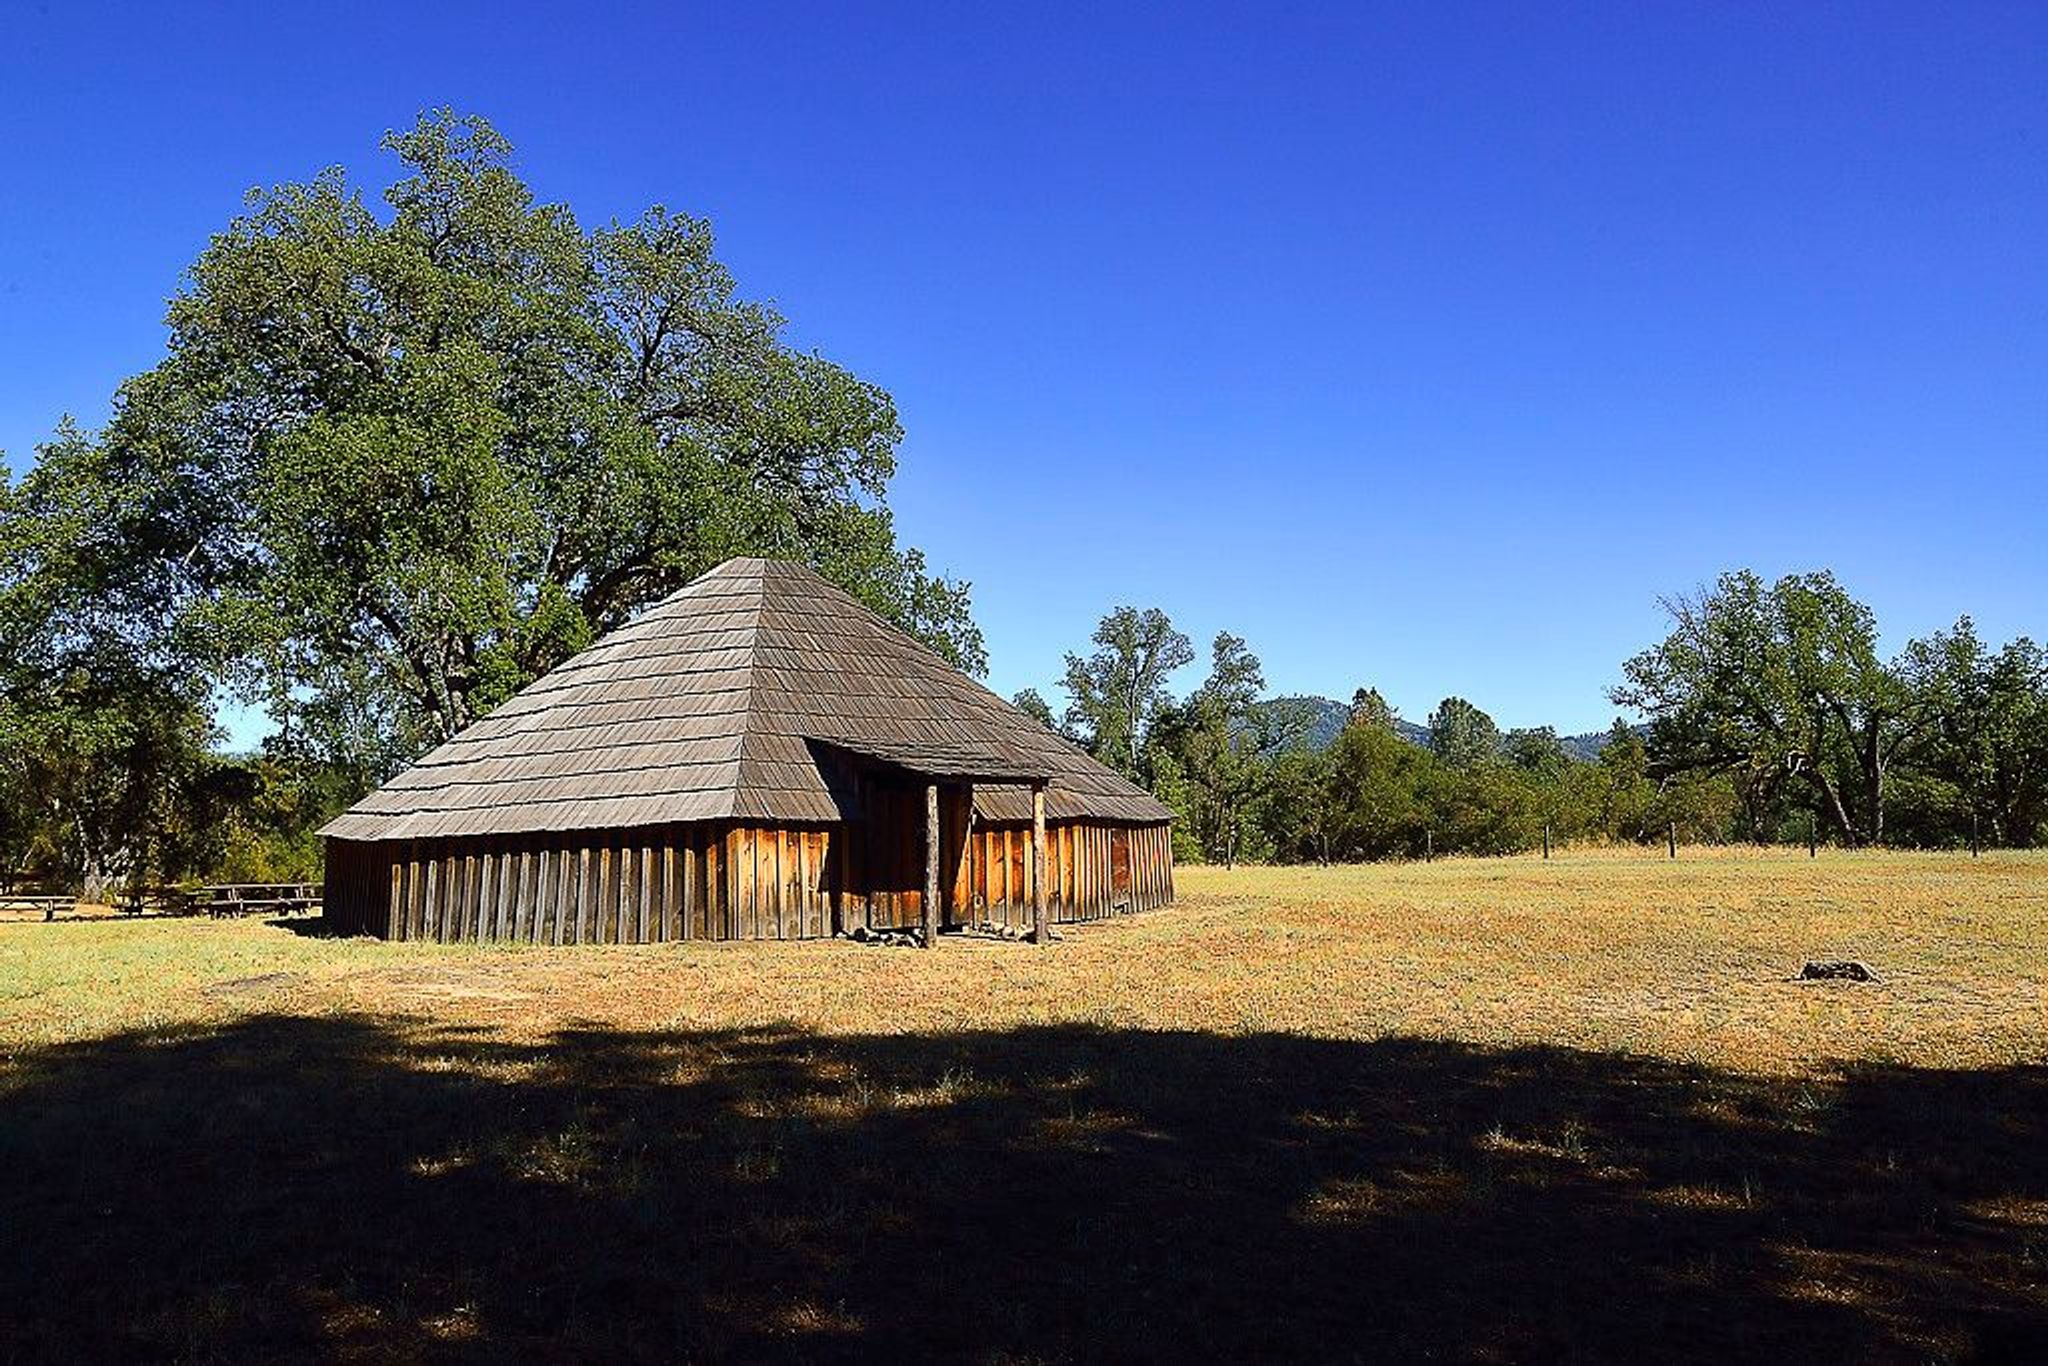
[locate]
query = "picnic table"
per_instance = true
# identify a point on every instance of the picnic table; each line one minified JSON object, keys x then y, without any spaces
{"x":163,"y":900}
{"x":246,"y":898}
{"x":49,"y":903}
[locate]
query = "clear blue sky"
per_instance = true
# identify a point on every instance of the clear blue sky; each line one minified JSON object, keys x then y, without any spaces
{"x":1424,"y":345}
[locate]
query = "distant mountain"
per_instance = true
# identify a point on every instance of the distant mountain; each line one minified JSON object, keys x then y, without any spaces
{"x":1586,"y":746}
{"x":1327,"y":717}
{"x":1330,"y":715}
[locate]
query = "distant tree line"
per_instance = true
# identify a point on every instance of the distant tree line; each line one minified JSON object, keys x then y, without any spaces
{"x":1768,"y":716}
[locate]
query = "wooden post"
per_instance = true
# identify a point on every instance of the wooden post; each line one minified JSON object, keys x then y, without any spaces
{"x":1671,"y":838}
{"x":1428,"y":846}
{"x":1973,"y":834}
{"x":931,"y":864}
{"x":1041,"y":933}
{"x":1812,"y":835}
{"x":1546,"y":839}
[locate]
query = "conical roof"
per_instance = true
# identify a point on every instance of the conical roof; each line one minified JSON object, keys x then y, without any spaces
{"x":723,"y":701}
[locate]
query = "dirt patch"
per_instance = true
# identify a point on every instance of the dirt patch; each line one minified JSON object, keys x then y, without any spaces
{"x":456,"y":991}
{"x":435,"y":984}
{"x":254,"y":986}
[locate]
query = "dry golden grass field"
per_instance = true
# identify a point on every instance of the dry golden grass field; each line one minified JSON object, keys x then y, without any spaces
{"x":1472,"y":1110}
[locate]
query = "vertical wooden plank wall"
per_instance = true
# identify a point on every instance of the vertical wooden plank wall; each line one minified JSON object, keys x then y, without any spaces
{"x":1079,"y":872}
{"x":704,"y":881}
{"x":881,"y":878}
{"x":640,"y":886}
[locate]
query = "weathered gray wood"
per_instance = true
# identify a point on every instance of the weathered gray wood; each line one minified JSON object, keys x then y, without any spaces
{"x":522,"y":892}
{"x":395,"y":911}
{"x":648,"y":923}
{"x":415,"y":893}
{"x":931,"y":864}
{"x":1040,"y":932}
{"x":547,"y":921}
{"x":693,"y":887}
{"x":671,"y":893}
{"x":612,"y":864}
{"x":586,"y":892}
{"x":842,"y":865}
{"x":430,"y":901}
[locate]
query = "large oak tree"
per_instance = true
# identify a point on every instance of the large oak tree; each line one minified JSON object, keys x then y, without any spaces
{"x":399,"y":459}
{"x":1779,"y":681}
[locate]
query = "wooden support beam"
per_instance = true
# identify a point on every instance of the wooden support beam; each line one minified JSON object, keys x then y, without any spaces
{"x":931,"y":864}
{"x":1041,"y":933}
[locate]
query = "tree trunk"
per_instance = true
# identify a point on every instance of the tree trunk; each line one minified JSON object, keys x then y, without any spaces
{"x":94,"y":884}
{"x":1836,"y":809}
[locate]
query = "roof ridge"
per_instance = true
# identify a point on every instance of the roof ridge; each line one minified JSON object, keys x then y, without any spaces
{"x":750,"y":709}
{"x":979,"y":691}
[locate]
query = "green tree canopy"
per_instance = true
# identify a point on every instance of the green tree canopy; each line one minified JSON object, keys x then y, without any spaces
{"x":1032,"y":704}
{"x":1114,"y":693}
{"x":1778,"y":678}
{"x":1536,"y":751}
{"x":105,"y":770}
{"x":1378,"y":781}
{"x":1988,"y":735}
{"x":1369,"y":708}
{"x":399,"y":460}
{"x":1221,"y":740}
{"x":1461,"y":735}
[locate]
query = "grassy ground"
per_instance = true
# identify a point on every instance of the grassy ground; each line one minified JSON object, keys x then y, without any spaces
{"x":1499,"y":1109}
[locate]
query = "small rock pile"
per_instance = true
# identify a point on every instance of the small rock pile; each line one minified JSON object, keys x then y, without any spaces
{"x":994,"y":929}
{"x":914,"y":938}
{"x":885,"y":937}
{"x":1837,"y":970}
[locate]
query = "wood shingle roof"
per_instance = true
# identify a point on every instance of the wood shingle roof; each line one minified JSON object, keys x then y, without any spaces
{"x":719,"y":703}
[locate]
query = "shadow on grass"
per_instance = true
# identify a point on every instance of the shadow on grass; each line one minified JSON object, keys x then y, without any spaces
{"x":314,"y":926}
{"x":74,"y":917}
{"x":291,"y":1187}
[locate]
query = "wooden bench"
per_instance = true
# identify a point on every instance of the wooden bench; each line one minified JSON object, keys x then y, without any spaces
{"x":259,"y":898}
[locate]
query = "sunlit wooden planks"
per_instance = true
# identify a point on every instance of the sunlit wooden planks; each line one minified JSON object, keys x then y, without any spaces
{"x":1091,"y":871}
{"x":735,"y":881}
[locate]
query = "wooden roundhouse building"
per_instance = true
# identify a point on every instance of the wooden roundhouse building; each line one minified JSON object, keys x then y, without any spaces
{"x":758,"y":756}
